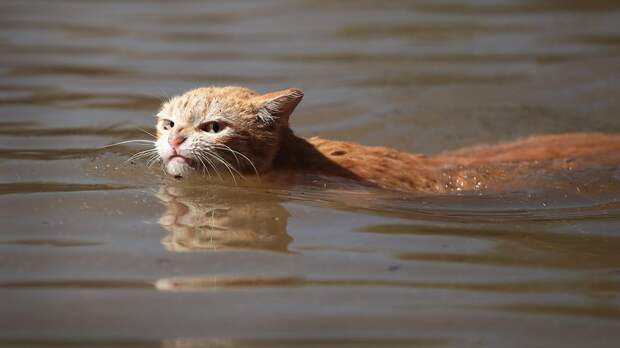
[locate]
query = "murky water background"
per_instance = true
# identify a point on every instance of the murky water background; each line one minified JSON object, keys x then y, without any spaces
{"x":98,"y":252}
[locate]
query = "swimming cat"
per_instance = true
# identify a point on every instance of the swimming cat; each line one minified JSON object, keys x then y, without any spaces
{"x":234,"y":131}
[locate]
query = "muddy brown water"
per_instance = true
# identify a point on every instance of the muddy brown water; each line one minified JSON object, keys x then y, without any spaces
{"x":97,"y":252}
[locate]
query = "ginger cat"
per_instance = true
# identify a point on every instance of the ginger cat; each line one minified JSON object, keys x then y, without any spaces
{"x":234,"y":131}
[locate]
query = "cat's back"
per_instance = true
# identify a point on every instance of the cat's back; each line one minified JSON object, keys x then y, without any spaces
{"x":550,"y":147}
{"x":380,"y":165}
{"x":490,"y":166}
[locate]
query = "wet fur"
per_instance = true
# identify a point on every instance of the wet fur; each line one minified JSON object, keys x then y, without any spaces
{"x":259,"y":132}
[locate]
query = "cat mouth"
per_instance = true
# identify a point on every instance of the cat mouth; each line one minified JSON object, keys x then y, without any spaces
{"x":177,"y":157}
{"x":178,"y":165}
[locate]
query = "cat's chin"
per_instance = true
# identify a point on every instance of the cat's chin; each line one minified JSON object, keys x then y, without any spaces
{"x":178,"y":167}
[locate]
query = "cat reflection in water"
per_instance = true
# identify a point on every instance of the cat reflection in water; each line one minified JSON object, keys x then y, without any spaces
{"x":234,"y":132}
{"x":217,"y":220}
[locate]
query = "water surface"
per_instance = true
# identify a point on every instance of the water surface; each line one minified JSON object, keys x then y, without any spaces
{"x":99,"y":252}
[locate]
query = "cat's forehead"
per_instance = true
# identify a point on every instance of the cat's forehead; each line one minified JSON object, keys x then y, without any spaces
{"x":209,"y":102}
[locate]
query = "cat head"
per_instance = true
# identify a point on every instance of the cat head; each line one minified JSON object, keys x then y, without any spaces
{"x":223,"y":131}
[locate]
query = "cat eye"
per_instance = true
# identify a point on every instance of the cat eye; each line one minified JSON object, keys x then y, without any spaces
{"x":212,"y":127}
{"x":167,"y":124}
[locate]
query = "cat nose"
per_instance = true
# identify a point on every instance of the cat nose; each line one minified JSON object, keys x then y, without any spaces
{"x":176,"y":140}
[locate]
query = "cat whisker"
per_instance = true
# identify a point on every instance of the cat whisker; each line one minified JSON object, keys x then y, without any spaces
{"x":151,"y":153}
{"x":147,"y":132}
{"x":151,"y":150}
{"x":162,"y":167}
{"x":135,"y":141}
{"x":236,"y":170}
{"x":226,"y":165}
{"x":152,"y":160}
{"x":205,"y":153}
{"x":141,"y":154}
{"x":137,"y":156}
{"x":242,"y":155}
{"x":204,"y":159}
{"x":211,"y":164}
{"x":227,"y":148}
{"x":231,"y":167}
{"x":204,"y":166}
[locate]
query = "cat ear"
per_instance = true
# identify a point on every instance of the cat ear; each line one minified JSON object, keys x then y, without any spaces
{"x":279,"y":105}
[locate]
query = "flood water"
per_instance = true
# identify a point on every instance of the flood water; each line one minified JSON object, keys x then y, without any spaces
{"x":99,"y":252}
